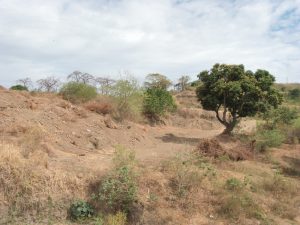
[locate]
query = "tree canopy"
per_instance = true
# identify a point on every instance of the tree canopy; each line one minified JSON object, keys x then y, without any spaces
{"x":232,"y":92}
{"x":156,"y":80}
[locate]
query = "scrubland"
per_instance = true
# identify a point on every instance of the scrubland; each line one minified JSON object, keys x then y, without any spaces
{"x":101,"y":162}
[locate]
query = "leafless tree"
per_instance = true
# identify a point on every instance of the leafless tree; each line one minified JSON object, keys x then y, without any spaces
{"x":80,"y":77}
{"x":26,"y":82}
{"x":105,"y":84}
{"x":49,"y":84}
{"x":183,"y":82}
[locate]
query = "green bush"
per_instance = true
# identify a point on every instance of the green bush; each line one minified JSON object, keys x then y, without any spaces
{"x":128,"y":98}
{"x":19,"y":88}
{"x":280,"y":116}
{"x":294,"y":93}
{"x":78,"y":92}
{"x":80,"y":210}
{"x":118,"y":190}
{"x":157,"y":102}
{"x":268,"y":138}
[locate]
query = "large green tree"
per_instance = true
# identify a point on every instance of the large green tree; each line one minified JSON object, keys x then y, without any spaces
{"x":233,"y":93}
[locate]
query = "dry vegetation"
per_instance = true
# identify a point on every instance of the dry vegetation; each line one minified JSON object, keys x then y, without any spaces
{"x":53,"y":153}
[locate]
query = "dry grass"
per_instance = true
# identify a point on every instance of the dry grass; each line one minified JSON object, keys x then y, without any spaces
{"x":118,"y":219}
{"x":188,"y":113}
{"x":280,"y":187}
{"x":31,"y":141}
{"x":26,"y":186}
{"x":99,"y":107}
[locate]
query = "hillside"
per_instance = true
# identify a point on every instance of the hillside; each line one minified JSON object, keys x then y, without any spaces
{"x":53,"y":152}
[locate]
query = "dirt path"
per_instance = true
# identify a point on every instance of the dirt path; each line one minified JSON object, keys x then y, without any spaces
{"x":164,"y":142}
{"x":158,"y":144}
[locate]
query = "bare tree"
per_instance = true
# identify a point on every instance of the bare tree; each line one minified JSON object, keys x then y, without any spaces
{"x":26,"y":82}
{"x":80,"y":77}
{"x":105,"y":84}
{"x":49,"y":84}
{"x":183,"y":82}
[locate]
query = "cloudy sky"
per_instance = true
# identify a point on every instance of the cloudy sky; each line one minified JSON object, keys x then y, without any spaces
{"x":40,"y":38}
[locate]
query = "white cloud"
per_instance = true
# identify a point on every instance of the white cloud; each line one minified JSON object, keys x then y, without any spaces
{"x":40,"y":38}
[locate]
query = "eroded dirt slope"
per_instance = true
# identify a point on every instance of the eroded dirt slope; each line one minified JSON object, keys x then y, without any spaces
{"x":71,"y":135}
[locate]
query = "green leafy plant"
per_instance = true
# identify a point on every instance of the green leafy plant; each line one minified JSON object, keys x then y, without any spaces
{"x":280,"y":116}
{"x":233,"y":93}
{"x":78,"y":92}
{"x":157,"y":102}
{"x":19,"y":88}
{"x":294,"y":94}
{"x":80,"y":210}
{"x":118,"y":190}
{"x":128,"y":98}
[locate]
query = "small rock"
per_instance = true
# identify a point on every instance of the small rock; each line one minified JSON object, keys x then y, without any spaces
{"x":110,"y":123}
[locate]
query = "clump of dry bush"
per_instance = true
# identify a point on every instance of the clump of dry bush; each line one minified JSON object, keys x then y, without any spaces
{"x":99,"y":107}
{"x":213,"y":148}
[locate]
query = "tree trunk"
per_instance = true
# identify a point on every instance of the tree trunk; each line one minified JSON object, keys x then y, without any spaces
{"x":229,"y":128}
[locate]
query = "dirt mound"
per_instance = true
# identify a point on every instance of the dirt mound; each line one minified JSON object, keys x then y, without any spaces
{"x":213,"y":148}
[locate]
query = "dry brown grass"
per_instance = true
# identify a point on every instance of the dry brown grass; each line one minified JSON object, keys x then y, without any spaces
{"x":27,"y":186}
{"x":99,"y":107}
{"x":213,"y":148}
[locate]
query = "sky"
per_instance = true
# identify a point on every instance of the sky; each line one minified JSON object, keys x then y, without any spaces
{"x":40,"y":38}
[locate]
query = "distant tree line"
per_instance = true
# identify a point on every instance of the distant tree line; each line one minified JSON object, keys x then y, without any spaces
{"x":103,"y":84}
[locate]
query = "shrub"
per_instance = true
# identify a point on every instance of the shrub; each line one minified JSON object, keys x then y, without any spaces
{"x":268,"y":138}
{"x":118,"y":190}
{"x":80,"y":210}
{"x":19,"y":88}
{"x":128,"y":98}
{"x":280,"y":116}
{"x":157,"y":102}
{"x":294,"y":93}
{"x":78,"y":92}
